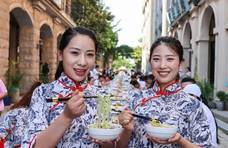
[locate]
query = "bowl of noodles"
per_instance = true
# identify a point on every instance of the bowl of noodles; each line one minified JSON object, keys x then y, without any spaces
{"x":104,"y":131}
{"x":159,"y":130}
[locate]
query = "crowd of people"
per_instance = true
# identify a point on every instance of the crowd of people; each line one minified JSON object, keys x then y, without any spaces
{"x":36,"y":122}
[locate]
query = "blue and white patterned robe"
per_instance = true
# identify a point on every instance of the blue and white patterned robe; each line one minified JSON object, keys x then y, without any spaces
{"x":175,"y":108}
{"x":42,"y":114}
{"x":13,"y":124}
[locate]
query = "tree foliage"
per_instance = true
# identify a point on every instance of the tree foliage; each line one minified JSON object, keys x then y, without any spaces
{"x":206,"y":89}
{"x":94,"y":15}
{"x":124,"y":55}
{"x":122,"y":62}
{"x":124,"y":51}
{"x":137,"y":56}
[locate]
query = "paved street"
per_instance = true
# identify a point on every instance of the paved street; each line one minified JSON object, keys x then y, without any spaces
{"x":223,"y":139}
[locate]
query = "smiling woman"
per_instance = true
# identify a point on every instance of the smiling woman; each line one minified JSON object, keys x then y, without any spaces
{"x":167,"y":103}
{"x":83,"y":53}
{"x":68,"y":121}
{"x":78,"y":57}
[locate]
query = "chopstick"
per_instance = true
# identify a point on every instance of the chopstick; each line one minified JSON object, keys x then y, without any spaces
{"x":135,"y":115}
{"x":64,"y":99}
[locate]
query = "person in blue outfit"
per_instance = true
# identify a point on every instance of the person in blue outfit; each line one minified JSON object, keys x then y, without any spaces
{"x":14,"y":122}
{"x":64,"y":124}
{"x":167,"y":102}
{"x":189,"y":86}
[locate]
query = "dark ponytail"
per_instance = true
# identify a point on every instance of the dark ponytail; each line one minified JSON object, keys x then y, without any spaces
{"x":59,"y":70}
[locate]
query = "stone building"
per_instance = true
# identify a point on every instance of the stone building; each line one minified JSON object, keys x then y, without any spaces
{"x":29,"y":34}
{"x":148,"y":32}
{"x":155,"y":25}
{"x":202,"y":27}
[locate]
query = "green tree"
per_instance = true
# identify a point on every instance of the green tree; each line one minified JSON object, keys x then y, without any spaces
{"x":120,"y":62}
{"x":206,"y":88}
{"x":95,"y":16}
{"x":137,"y":56}
{"x":109,"y":42}
{"x":124,"y":55}
{"x":124,"y":51}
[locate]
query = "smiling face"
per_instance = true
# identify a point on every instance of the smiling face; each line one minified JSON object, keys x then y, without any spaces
{"x":78,"y":57}
{"x":165,"y":64}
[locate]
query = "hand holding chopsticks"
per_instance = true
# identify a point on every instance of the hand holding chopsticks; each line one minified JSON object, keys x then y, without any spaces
{"x":135,"y":115}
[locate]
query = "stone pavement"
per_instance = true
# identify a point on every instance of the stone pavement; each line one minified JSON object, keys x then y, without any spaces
{"x":221,"y":119}
{"x":223,"y":138}
{"x":222,"y":122}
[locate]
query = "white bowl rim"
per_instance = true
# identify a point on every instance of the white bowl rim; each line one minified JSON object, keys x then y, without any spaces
{"x":167,"y":126}
{"x":162,"y":130}
{"x":117,"y":126}
{"x":105,"y":134}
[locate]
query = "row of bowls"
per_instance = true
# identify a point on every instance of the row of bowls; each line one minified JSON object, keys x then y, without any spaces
{"x":163,"y":132}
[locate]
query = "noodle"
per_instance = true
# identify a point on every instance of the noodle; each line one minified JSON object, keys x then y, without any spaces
{"x":157,"y":123}
{"x":103,"y":111}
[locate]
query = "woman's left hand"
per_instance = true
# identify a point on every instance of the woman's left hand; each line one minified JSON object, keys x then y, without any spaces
{"x":175,"y":139}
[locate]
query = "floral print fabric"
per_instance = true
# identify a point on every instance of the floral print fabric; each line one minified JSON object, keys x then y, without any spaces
{"x":12,"y":126}
{"x":173,"y":107}
{"x":42,"y":114}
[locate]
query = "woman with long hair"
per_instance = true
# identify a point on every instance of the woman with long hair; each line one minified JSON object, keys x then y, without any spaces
{"x":64,"y":124}
{"x":166,"y":102}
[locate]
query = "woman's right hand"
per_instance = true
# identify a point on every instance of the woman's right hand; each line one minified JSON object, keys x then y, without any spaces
{"x":126,"y":120}
{"x":75,"y":107}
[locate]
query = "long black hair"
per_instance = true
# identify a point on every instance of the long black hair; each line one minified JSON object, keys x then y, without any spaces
{"x":66,"y":38}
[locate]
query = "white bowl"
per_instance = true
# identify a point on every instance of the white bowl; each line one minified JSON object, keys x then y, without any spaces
{"x":165,"y":132}
{"x":105,"y":134}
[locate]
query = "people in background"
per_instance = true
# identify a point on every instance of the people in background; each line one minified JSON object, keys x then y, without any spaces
{"x":94,"y":73}
{"x":135,"y":84}
{"x":189,"y":86}
{"x":187,"y":80}
{"x":102,"y":81}
{"x":166,"y":102}
{"x":14,"y":122}
{"x":142,"y":82}
{"x":188,"y":71}
{"x":149,"y":79}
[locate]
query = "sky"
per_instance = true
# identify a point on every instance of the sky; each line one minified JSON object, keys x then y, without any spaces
{"x":129,"y":13}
